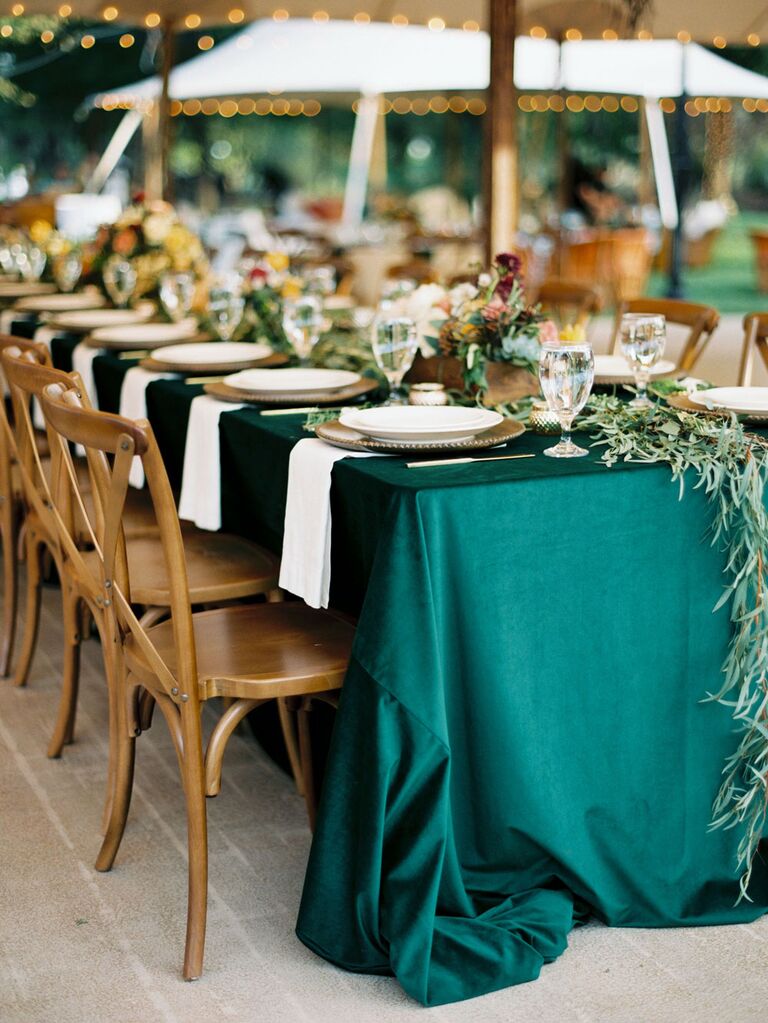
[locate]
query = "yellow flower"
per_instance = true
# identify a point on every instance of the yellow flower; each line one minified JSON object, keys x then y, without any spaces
{"x":39,"y":231}
{"x":279,"y":261}
{"x":291,"y":288}
{"x":573,"y":332}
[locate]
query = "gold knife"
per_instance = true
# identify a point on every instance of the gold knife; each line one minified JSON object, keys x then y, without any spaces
{"x":463,"y":461}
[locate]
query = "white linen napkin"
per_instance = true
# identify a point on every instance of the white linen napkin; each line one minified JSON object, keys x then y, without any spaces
{"x":200,"y":500}
{"x":44,"y":335}
{"x":82,"y":363}
{"x":133,"y":405}
{"x":305,"y":568}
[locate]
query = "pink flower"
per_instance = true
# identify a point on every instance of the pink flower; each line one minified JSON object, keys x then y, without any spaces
{"x":548,"y":332}
{"x":495,"y":309}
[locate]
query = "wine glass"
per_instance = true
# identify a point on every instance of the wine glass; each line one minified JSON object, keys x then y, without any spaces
{"x":394,"y":346}
{"x":643,"y":336}
{"x":566,"y":373}
{"x":33,"y":264}
{"x":226,"y":306}
{"x":303,"y":323}
{"x":176,"y":294}
{"x":120,"y":281}
{"x":320,"y":280}
{"x":67,"y":269}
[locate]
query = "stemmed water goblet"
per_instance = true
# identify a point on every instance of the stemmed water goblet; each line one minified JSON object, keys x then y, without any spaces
{"x":226,"y":306}
{"x":67,"y":269}
{"x":120,"y":281}
{"x":176,"y":294}
{"x":303,"y":324}
{"x":394,"y":343}
{"x":643,"y":336}
{"x":566,"y":372}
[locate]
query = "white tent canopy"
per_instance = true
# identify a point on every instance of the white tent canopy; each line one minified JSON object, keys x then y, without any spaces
{"x":301,"y":56}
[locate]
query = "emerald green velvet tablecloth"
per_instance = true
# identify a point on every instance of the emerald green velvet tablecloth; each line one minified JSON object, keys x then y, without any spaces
{"x":522,"y":740}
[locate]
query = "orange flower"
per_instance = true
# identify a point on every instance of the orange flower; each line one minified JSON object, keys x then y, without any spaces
{"x":125,"y":242}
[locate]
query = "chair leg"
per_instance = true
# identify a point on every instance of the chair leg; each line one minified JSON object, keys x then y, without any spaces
{"x":197,"y":841}
{"x":305,"y":752}
{"x":9,"y":539}
{"x":119,"y":792}
{"x":32,"y":616}
{"x":64,"y":729}
{"x":287,"y":714}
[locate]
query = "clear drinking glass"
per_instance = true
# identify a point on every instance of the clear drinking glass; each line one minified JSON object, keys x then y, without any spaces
{"x":120,"y":281}
{"x":30,"y":262}
{"x":320,"y":280}
{"x":67,"y":270}
{"x":176,"y":294}
{"x":303,"y":324}
{"x":226,"y":306}
{"x":643,"y":336}
{"x":394,"y":343}
{"x":566,"y":373}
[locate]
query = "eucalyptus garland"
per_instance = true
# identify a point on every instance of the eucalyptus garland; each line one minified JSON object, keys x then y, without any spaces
{"x":731,"y":465}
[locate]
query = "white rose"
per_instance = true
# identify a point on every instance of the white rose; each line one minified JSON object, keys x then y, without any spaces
{"x":156,"y":228}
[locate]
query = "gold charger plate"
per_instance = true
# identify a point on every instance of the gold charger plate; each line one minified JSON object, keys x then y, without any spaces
{"x":629,"y":380}
{"x":210,"y":368}
{"x":22,"y":289}
{"x":300,"y":399}
{"x":343,"y":437}
{"x":684,"y":404}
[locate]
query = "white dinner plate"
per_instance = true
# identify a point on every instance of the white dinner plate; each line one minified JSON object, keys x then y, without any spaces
{"x":292,"y":379}
{"x":419,"y":423}
{"x":617,"y":366}
{"x":97,"y":319}
{"x":138,"y":333}
{"x":77,"y":301}
{"x":753,"y":399}
{"x":208,"y":353}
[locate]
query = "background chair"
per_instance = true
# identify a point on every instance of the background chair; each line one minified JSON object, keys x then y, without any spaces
{"x":249,"y":654}
{"x":701,"y":321}
{"x":568,"y":302}
{"x":755,"y":343}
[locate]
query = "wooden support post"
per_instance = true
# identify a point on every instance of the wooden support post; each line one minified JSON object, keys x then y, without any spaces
{"x":501,"y":136}
{"x":157,"y":129}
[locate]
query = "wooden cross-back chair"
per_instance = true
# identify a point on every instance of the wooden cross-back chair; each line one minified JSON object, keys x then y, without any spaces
{"x":755,"y":343}
{"x":568,"y":302}
{"x":701,"y":321}
{"x":248,"y":653}
{"x":11,"y":515}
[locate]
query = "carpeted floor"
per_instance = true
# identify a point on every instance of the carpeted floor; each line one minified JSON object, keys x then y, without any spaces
{"x":82,"y":947}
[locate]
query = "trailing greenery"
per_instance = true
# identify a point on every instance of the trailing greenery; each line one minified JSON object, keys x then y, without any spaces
{"x":731,"y":466}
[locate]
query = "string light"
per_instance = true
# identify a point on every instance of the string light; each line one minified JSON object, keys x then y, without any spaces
{"x":246,"y":106}
{"x":471,"y":26}
{"x":47,"y":36}
{"x":438,"y":105}
{"x":127,"y":40}
{"x":280,"y":14}
{"x":719,"y":42}
{"x":192,"y":20}
{"x":610,"y":34}
{"x":575,"y":104}
{"x":210,"y":107}
{"x":629,"y":104}
{"x":573,"y":34}
{"x":236,"y":15}
{"x":152,"y":20}
{"x":87,"y":42}
{"x":205,"y":42}
{"x":399,"y":19}
{"x":64,"y":11}
{"x":17,"y":10}
{"x":110,"y":13}
{"x":556,"y":103}
{"x":321,"y":17}
{"x":435,"y":24}
{"x":538,"y":32}
{"x":684,"y":37}
{"x":362,"y":18}
{"x":192,"y":107}
{"x":6,"y":31}
{"x":668,"y":106}
{"x":749,"y":105}
{"x":175,"y":108}
{"x":228,"y":108}
{"x":610,"y":104}
{"x":762,"y":106}
{"x":690,"y":109}
{"x":644,"y":35}
{"x":476,"y":107}
{"x":753,"y":39}
{"x":312,"y":108}
{"x":457,"y":105}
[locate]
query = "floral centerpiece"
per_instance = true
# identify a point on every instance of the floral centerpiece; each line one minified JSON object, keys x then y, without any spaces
{"x":487,"y":331}
{"x":149,"y":236}
{"x":269,"y":282}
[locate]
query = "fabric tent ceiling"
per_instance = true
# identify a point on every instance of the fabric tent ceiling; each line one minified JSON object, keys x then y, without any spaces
{"x":703,"y":19}
{"x":300,"y":56}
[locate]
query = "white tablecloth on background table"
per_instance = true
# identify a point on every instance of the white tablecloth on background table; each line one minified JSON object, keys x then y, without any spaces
{"x":133,"y":405}
{"x":200,"y":500}
{"x":305,"y":568}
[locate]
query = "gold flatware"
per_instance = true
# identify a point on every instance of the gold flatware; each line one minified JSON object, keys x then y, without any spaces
{"x":293,"y":411}
{"x":463,"y":461}
{"x":203,"y":380}
{"x":139,"y":354}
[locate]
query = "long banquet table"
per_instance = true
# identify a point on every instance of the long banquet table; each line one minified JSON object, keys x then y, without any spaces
{"x":522,"y":740}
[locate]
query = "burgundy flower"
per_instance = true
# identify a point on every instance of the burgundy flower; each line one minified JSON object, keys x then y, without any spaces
{"x":504,"y":287}
{"x":508,"y":263}
{"x":258,"y":273}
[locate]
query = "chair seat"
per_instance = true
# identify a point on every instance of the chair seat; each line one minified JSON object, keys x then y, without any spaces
{"x":219,"y":567}
{"x":256,"y":651}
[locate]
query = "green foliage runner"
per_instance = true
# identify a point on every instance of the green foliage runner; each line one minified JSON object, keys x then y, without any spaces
{"x":731,"y":465}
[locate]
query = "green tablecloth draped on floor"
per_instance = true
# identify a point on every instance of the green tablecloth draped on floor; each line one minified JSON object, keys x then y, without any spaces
{"x":521,"y":740}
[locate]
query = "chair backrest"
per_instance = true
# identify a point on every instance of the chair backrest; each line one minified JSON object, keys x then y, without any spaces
{"x":418,"y":270}
{"x":568,"y":301}
{"x":701,"y":320}
{"x":111,"y":442}
{"x":755,"y":342}
{"x":617,"y":261}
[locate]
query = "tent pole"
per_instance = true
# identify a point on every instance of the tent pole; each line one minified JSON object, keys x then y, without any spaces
{"x":360,"y":156}
{"x":681,"y":161}
{"x":157,"y":128}
{"x":501,"y":137}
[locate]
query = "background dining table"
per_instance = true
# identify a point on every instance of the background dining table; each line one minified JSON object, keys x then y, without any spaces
{"x":524,"y":738}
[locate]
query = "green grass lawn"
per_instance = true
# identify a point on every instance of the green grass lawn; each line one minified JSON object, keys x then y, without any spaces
{"x":729,"y":283}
